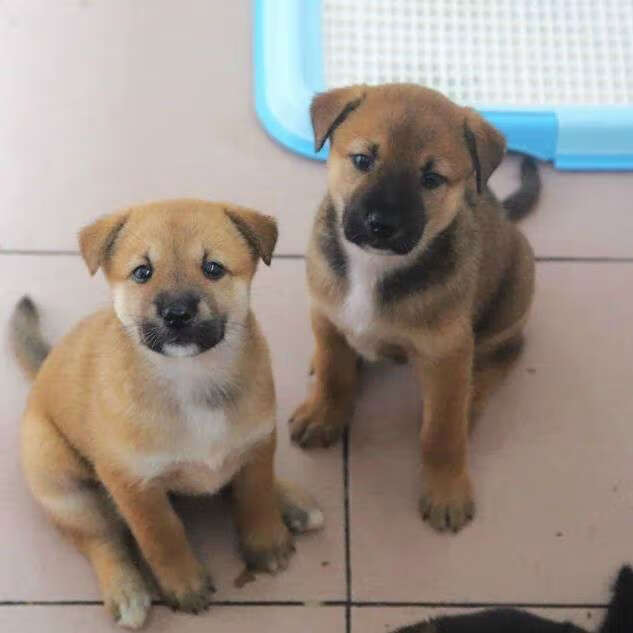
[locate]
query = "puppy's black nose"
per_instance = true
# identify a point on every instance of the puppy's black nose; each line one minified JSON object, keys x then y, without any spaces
{"x":177,"y":312}
{"x":380,"y":225}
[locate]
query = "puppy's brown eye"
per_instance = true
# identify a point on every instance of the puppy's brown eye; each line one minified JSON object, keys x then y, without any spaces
{"x":142,"y":273}
{"x":362,"y":162}
{"x":213,"y":270}
{"x":431,"y":180}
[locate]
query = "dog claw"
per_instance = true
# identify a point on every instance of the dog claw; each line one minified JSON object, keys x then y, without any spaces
{"x":444,"y":515}
{"x":317,"y":423}
{"x":314,"y":435}
{"x":191,"y":601}
{"x":271,"y":560}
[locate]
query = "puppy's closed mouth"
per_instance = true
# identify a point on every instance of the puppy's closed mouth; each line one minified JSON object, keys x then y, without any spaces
{"x":189,"y":341}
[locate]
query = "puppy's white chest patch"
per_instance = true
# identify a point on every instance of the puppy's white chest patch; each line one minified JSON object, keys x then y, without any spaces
{"x":359,"y":308}
{"x":357,"y":316}
{"x":217,"y":448}
{"x":202,"y":446}
{"x":206,"y":451}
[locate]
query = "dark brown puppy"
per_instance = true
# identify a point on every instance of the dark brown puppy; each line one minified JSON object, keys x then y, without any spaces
{"x":619,"y":617}
{"x":412,"y":257}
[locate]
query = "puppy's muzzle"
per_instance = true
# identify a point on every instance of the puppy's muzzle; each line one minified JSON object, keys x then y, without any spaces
{"x":179,"y":330}
{"x":387,"y":216}
{"x":379,"y":229}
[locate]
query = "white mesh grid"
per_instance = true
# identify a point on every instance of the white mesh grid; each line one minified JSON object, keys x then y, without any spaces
{"x":486,"y":52}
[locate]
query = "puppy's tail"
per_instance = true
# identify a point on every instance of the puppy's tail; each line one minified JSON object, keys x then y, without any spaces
{"x":620,"y":613}
{"x":524,"y":199}
{"x":26,"y":338}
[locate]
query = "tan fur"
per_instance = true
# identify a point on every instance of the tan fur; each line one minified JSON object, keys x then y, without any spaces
{"x":455,"y":332}
{"x":112,"y":427}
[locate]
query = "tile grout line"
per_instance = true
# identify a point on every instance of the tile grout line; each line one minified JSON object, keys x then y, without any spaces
{"x":328,"y":603}
{"x":43,"y":252}
{"x":552,"y":259}
{"x":346,"y":517}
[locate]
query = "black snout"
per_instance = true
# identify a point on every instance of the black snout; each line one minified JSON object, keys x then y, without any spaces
{"x":381,"y":225}
{"x":179,"y":311}
{"x":387,"y":214}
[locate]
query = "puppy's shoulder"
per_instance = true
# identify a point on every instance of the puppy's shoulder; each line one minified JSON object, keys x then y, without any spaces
{"x":326,"y":260}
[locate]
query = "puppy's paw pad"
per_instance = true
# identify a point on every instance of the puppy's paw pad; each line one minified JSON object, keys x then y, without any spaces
{"x":130,"y":603}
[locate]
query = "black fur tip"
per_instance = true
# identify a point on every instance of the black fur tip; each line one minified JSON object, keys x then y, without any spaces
{"x":25,"y":304}
{"x":624,"y":581}
{"x":524,"y":199}
{"x":619,"y":618}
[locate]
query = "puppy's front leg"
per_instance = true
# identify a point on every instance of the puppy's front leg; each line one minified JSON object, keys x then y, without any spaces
{"x":447,"y":500}
{"x":265,"y":540}
{"x":161,"y":536}
{"x":321,"y":419}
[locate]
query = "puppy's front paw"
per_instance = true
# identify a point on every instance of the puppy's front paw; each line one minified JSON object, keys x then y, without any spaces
{"x":447,"y":504}
{"x":191,"y":594}
{"x":315,"y":424}
{"x":268,"y":550}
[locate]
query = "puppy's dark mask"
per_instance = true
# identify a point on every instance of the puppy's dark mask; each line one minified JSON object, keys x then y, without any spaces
{"x":386,"y":214}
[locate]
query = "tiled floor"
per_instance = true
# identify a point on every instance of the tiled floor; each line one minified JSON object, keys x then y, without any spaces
{"x":111,"y":113}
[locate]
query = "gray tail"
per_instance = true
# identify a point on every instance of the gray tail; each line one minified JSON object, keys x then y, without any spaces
{"x":524,"y":199}
{"x":620,"y":613}
{"x":26,"y":338}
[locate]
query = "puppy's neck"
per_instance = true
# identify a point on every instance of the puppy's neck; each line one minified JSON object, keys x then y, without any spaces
{"x":365,"y":270}
{"x":369,"y":266}
{"x":209,"y":379}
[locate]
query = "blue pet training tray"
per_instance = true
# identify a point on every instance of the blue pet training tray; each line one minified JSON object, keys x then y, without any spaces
{"x":555,"y":76}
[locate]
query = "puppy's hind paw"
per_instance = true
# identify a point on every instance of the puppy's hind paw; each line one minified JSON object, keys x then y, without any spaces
{"x":129,"y":601}
{"x":299,"y":510}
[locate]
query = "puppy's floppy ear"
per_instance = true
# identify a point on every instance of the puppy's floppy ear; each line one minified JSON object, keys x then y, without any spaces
{"x":485,"y":144}
{"x":259,"y":230}
{"x":96,"y":241}
{"x":329,"y":109}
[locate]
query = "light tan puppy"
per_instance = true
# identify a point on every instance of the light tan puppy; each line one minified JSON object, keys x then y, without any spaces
{"x":412,"y":257}
{"x":171,"y":389}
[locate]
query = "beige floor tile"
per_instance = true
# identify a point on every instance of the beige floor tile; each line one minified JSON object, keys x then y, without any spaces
{"x":38,"y":565}
{"x":387,"y":619}
{"x":551,"y":462}
{"x":111,"y":103}
{"x":64,"y":619}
